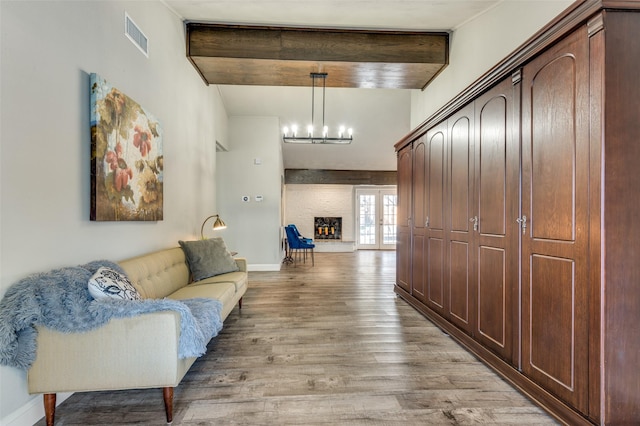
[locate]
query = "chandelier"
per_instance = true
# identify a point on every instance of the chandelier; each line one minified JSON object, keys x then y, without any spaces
{"x":292,"y":135}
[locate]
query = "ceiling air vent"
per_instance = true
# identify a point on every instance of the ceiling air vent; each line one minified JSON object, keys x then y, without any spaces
{"x":134,"y":34}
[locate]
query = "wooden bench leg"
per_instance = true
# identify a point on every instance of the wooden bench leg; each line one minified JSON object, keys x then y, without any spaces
{"x":50,"y":405}
{"x":240,"y":303}
{"x":49,"y":408}
{"x":167,"y":393}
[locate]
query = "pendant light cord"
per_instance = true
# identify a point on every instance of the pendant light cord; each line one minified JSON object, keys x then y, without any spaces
{"x":324,"y":86}
{"x":313,"y":102}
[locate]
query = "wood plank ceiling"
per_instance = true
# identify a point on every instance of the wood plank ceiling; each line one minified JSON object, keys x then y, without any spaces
{"x":285,"y":56}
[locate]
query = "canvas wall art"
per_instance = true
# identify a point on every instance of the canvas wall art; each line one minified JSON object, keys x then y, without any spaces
{"x":126,"y":157}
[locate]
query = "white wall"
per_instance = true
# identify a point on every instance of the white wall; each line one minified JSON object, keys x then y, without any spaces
{"x":253,"y":227}
{"x":480,"y":44}
{"x":221,"y":121}
{"x":379,"y":118}
{"x":48,"y":50}
{"x":305,"y":202}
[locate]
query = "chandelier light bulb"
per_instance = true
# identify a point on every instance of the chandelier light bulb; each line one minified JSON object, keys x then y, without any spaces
{"x":341,"y":131}
{"x":350,"y":131}
{"x":325,"y":131}
{"x":310,"y":130}
{"x":294,"y":130}
{"x":285,"y":130}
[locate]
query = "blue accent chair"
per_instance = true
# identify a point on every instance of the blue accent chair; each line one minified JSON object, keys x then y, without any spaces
{"x":296,"y":244}
{"x":295,"y":229}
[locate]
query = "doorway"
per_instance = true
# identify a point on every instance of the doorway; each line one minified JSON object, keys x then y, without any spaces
{"x":376,"y":211}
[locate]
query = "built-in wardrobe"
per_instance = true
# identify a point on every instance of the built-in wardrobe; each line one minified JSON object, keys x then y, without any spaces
{"x":519,"y":216}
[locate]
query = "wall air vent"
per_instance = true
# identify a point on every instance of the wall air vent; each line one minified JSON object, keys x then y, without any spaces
{"x":136,"y":36}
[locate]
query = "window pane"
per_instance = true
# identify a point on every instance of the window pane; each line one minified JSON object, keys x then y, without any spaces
{"x":367,"y":234}
{"x":390,"y":207}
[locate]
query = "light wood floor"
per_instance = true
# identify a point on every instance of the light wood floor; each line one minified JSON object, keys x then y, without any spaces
{"x":323,"y":345}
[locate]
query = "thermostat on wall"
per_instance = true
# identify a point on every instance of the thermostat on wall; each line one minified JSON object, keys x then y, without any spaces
{"x":259,"y":198}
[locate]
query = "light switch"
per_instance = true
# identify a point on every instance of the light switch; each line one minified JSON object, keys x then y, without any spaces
{"x":259,"y":198}
{"x":246,"y":198}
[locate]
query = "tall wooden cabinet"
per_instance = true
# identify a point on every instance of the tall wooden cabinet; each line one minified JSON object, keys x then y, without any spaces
{"x":519,"y":229}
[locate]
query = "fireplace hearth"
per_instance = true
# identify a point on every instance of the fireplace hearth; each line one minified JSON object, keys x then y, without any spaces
{"x":327,"y":228}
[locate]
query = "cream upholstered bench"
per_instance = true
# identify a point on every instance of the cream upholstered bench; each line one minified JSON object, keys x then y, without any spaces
{"x":135,"y":352}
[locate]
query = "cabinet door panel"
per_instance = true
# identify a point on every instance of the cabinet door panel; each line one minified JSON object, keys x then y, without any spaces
{"x":436,"y":165}
{"x":553,"y":153}
{"x":552,"y":304}
{"x":420,"y":184}
{"x":555,"y":162}
{"x":420,"y":193}
{"x":497,"y":174}
{"x":419,"y":268}
{"x":460,"y":230}
{"x":460,"y":170}
{"x":403,"y":244}
{"x":493,"y":298}
{"x":436,"y":295}
{"x":459,"y":280}
{"x":435,"y":274}
{"x":493,"y":163}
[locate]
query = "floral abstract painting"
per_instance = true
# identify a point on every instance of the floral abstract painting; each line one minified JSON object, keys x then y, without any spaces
{"x":126,"y":157}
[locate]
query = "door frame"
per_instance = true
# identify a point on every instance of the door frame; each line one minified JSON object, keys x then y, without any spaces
{"x":378,"y":191}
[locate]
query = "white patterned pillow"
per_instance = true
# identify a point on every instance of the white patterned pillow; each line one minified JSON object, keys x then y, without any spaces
{"x":107,"y":283}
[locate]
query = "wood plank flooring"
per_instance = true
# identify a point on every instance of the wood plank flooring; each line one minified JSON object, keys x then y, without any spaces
{"x":328,"y":344}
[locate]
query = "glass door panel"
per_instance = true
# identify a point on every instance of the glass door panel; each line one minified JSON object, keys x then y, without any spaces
{"x":389,"y":215}
{"x":377,"y":212}
{"x":367,"y":220}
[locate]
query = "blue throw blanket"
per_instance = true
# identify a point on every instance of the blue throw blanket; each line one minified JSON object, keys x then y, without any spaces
{"x":60,"y":300}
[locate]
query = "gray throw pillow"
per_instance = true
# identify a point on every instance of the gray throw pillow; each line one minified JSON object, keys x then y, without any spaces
{"x":208,"y":258}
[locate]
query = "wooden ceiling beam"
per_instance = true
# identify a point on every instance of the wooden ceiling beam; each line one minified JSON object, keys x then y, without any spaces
{"x":283,"y":56}
{"x":340,"y":177}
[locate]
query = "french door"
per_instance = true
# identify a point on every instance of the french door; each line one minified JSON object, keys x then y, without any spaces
{"x":376,"y":218}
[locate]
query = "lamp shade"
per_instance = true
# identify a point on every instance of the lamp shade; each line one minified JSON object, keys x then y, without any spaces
{"x":218,"y":224}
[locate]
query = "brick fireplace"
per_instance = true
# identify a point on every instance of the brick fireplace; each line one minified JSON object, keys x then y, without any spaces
{"x":327,"y":228}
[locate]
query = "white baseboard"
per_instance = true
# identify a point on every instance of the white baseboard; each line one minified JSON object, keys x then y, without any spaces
{"x":264,"y":267}
{"x":334,"y":246}
{"x":31,"y":412}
